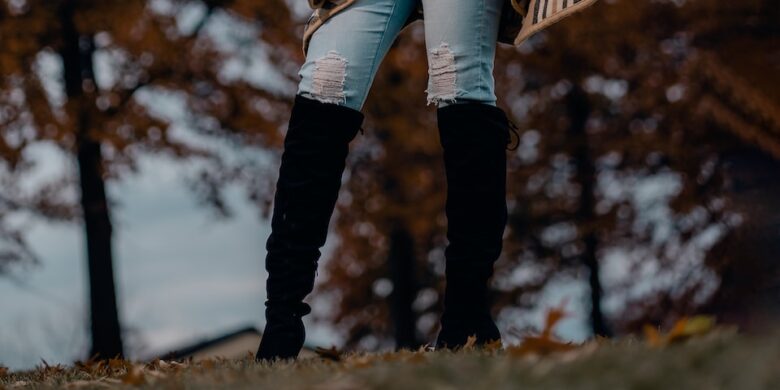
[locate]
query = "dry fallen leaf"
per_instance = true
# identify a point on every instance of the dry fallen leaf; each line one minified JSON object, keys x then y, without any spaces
{"x":698,"y":325}
{"x":426,"y":348}
{"x":683,"y":329}
{"x":331,"y":353}
{"x":494,"y":345}
{"x":554,"y":316}
{"x":154,"y":364}
{"x":3,"y":371}
{"x":88,"y":366}
{"x":117,"y":364}
{"x":94,"y":368}
{"x":135,"y":376}
{"x":470,"y":342}
{"x":47,"y":369}
{"x":545,"y":343}
{"x":652,"y":336}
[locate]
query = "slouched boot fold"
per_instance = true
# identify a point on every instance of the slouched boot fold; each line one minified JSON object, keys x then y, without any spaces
{"x":474,"y":138}
{"x":315,"y":151}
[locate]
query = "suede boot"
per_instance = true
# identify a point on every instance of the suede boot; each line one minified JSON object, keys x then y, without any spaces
{"x":474,"y":137}
{"x":315,"y":150}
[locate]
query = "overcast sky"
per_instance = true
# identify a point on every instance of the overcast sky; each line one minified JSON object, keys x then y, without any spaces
{"x":181,"y":273}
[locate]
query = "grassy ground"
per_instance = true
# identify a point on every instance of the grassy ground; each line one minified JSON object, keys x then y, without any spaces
{"x":718,"y":360}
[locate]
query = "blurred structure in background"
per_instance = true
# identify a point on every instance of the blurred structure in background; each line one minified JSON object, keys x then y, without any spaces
{"x":645,"y":179}
{"x":233,"y":345}
{"x":740,"y":97}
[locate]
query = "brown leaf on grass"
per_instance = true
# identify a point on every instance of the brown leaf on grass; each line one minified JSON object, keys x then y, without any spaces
{"x":545,"y":343}
{"x":652,"y":335}
{"x":683,"y":329}
{"x":696,"y":326}
{"x":493,"y":346}
{"x":134,"y":377}
{"x":331,"y":353}
{"x":554,"y":316}
{"x":426,"y":348}
{"x":537,"y":345}
{"x":47,"y":369}
{"x":470,"y":342}
{"x":4,"y":372}
{"x":92,"y":367}
{"x":118,"y":364}
{"x":86,"y":366}
{"x":154,"y":364}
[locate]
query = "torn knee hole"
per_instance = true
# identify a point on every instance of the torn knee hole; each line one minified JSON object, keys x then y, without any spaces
{"x":441,"y":75}
{"x":330,"y":73}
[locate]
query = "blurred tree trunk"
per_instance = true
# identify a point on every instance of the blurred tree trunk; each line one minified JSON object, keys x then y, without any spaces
{"x":77,"y":52}
{"x":402,"y":265}
{"x":578,"y":108}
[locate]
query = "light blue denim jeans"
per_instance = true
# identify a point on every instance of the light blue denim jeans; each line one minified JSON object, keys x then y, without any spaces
{"x":461,"y":37}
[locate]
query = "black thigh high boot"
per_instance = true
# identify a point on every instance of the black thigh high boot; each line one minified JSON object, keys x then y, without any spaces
{"x":315,"y":150}
{"x":474,"y":137}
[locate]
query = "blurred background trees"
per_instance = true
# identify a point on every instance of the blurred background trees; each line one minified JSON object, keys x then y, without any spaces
{"x":148,"y":52}
{"x":621,"y":165}
{"x":645,"y":173}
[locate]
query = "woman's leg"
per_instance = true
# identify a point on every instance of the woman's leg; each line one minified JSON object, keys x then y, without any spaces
{"x":461,"y":39}
{"x":474,"y":133}
{"x":341,"y":62}
{"x":345,"y":52}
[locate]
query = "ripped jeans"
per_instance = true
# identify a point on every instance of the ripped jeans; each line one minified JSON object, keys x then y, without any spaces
{"x":461,"y":37}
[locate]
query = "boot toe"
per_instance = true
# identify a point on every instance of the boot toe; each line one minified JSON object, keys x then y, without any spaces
{"x":455,"y":333}
{"x":281,"y":344}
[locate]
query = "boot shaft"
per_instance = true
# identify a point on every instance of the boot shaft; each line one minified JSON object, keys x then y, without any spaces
{"x":315,"y":151}
{"x":313,"y":161}
{"x":474,"y":139}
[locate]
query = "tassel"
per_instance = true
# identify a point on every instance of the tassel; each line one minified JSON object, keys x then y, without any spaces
{"x":515,"y":130}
